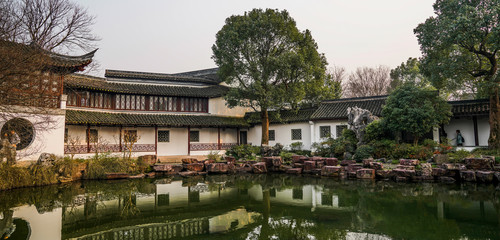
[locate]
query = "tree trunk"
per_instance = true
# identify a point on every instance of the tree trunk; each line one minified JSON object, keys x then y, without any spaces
{"x":264,"y":117}
{"x":494,"y":140}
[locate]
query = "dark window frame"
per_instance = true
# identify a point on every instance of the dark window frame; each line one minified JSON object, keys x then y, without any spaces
{"x":161,"y":138}
{"x":297,"y":131}
{"x":323,"y":133}
{"x":272,"y":135}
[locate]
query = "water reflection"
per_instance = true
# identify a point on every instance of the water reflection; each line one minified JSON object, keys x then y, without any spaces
{"x":251,"y":207}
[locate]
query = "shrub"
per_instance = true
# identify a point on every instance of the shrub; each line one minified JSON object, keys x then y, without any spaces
{"x":363,"y":152}
{"x":98,"y":166}
{"x":459,"y":155}
{"x":213,"y":155}
{"x":430,"y":143}
{"x":296,"y":146}
{"x":383,"y":148}
{"x":286,"y":156}
{"x":244,"y":151}
{"x":374,"y":131}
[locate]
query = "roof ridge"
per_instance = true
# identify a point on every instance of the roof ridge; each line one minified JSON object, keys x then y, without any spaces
{"x":356,"y":98}
{"x":153,"y":76}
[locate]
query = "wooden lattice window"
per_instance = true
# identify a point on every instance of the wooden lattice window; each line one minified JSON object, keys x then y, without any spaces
{"x":93,"y":136}
{"x":339,"y":129}
{"x":297,"y":193}
{"x":163,"y":199}
{"x":325,"y":131}
{"x":272,"y":135}
{"x":194,"y":136}
{"x":164,"y":136}
{"x":296,"y":134}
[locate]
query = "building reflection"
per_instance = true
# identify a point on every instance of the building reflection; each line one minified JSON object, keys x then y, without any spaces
{"x":264,"y":206}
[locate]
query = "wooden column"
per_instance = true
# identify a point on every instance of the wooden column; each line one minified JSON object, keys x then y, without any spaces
{"x":156,"y":141}
{"x":218,"y":138}
{"x":238,"y":136}
{"x":476,"y":137}
{"x":88,"y":138}
{"x":189,"y":140}
{"x":120,"y":141}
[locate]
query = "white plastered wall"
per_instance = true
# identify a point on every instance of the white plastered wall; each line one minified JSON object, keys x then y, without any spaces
{"x":333,"y":128}
{"x":48,"y":135}
{"x":218,"y":106}
{"x":466,"y":127}
{"x":283,"y":134}
{"x":178,"y":144}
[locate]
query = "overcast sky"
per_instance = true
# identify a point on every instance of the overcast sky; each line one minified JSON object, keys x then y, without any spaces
{"x":170,"y":36}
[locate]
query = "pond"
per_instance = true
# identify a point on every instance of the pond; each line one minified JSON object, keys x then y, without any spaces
{"x":251,"y":207}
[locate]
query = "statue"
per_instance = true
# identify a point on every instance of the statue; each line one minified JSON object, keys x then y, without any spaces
{"x":9,"y":145}
{"x":358,"y":119}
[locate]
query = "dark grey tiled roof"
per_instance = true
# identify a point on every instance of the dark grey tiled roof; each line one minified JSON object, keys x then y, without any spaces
{"x":470,"y":107}
{"x":284,"y":116}
{"x":210,"y":73}
{"x":187,"y":77}
{"x":337,"y":109}
{"x":79,"y":81}
{"x":146,"y":119}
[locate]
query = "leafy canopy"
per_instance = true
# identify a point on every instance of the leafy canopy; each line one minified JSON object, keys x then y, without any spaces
{"x":415,"y":110}
{"x":461,"y":44}
{"x":269,"y":62}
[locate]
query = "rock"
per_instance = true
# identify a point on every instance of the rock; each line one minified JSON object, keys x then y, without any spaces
{"x":294,"y":171}
{"x":353,"y":167}
{"x":243,"y":167}
{"x":479,"y":163}
{"x":231,"y":168}
{"x":196,"y":167}
{"x":331,"y":161}
{"x":142,"y":175}
{"x":259,"y":167}
{"x":167,"y":168}
{"x":320,"y":164}
{"x":485,"y":176}
{"x":441,"y":158}
{"x":401,"y":179}
{"x":189,"y":160}
{"x":217,"y":168}
{"x":384,"y":174}
{"x":148,"y":159}
{"x":316,"y":159}
{"x":405,"y":167}
{"x":366,"y":162}
{"x":297,"y":159}
{"x":438,"y":172}
{"x":331,"y":171}
{"x":365,"y":173}
{"x":426,"y":169}
{"x":376,"y":165}
{"x":298,"y":165}
{"x":46,"y":159}
{"x":446,"y":179}
{"x":497,"y":176}
{"x":230,"y":159}
{"x":422,"y":178}
{"x":351,"y":175}
{"x":151,"y":175}
{"x":468,"y":176}
{"x":188,"y":174}
{"x":277,"y":161}
{"x":382,"y":160}
{"x":347,"y":162}
{"x":117,"y":175}
{"x":309,"y":166}
{"x":409,"y":162}
{"x":404,"y":173}
{"x":358,"y":119}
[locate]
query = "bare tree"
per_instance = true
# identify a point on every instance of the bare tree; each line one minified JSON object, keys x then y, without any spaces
{"x":366,"y":81}
{"x":55,"y":25}
{"x":30,"y":72}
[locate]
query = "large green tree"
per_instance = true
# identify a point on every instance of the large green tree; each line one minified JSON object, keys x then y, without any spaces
{"x":415,"y":110}
{"x":270,"y":64}
{"x":408,"y":72}
{"x":462,"y":43}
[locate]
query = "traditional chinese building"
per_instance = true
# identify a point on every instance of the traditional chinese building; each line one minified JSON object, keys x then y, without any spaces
{"x":174,"y":115}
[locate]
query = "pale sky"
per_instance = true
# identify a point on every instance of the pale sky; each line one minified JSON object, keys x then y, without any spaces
{"x":169,"y":36}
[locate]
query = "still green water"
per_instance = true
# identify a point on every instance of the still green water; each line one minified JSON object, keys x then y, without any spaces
{"x":251,"y":207}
